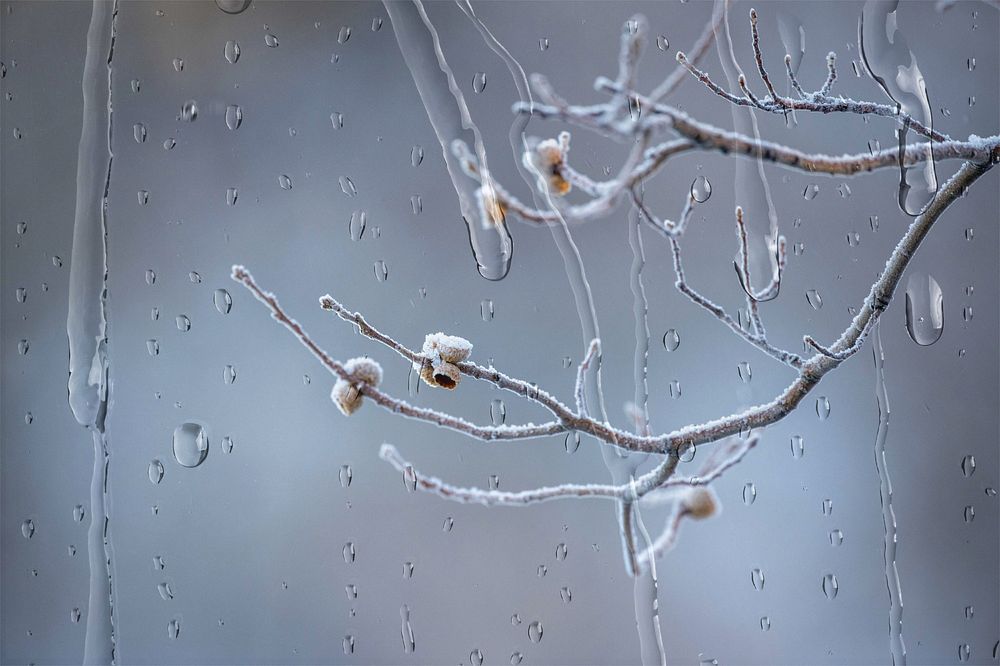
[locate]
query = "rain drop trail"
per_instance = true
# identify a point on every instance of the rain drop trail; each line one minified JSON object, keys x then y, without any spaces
{"x":86,"y":321}
{"x":622,"y":469}
{"x":896,"y":646}
{"x":449,"y":115}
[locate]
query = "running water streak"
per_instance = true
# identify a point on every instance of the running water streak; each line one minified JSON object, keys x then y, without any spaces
{"x":449,"y":115}
{"x":896,"y":646}
{"x":87,"y":323}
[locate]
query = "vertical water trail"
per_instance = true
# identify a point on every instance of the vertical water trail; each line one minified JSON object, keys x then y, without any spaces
{"x":622,"y":470}
{"x":86,"y":321}
{"x":449,"y":115}
{"x":896,"y":646}
{"x":750,"y":198}
{"x":640,"y":308}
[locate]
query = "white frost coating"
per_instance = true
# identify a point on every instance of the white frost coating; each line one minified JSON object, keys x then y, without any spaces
{"x":346,"y":395}
{"x":450,"y":348}
{"x":86,"y":319}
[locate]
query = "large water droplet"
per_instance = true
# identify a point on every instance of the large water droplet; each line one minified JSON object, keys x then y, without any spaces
{"x":223,"y":301}
{"x":535,"y":631}
{"x":232,"y":6}
{"x":234,"y":116}
{"x":968,"y":465}
{"x":924,"y":309}
{"x":701,"y":189}
{"x":28,"y":528}
{"x":757,"y":579}
{"x":155,"y":471}
{"x":190,"y":444}
{"x":671,"y":340}
{"x":232,"y":51}
{"x":830,"y":586}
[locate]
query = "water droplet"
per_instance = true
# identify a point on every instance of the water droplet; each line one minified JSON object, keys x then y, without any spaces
{"x":194,"y":277}
{"x":964,"y":652}
{"x":347,"y":186}
{"x":136,"y":86}
{"x":662,"y":43}
{"x":561,"y":552}
{"x":155,"y":471}
{"x":153,"y":347}
{"x":745,"y":372}
{"x":348,"y":644}
{"x":409,"y":478}
{"x":969,"y":513}
{"x":74,"y":615}
{"x":479,"y":82}
{"x":674,"y":389}
{"x":757,"y":579}
{"x":765,"y":623}
{"x":189,"y":111}
{"x":232,"y":6}
{"x":749,"y":493}
{"x":234,"y":116}
{"x":285,"y":182}
{"x":165,"y":592}
{"x":406,"y":630}
{"x":78,"y":513}
{"x":810,"y":192}
{"x":190,"y":444}
{"x":143,"y":196}
{"x":223,"y":301}
{"x":671,"y":340}
{"x":349,"y":552}
{"x":448,"y":524}
{"x":416,"y":156}
{"x":346,"y":475}
{"x":20,"y":294}
{"x":798,"y":446}
{"x":270,"y":40}
{"x":814,"y":299}
{"x":381,"y":271}
{"x":827,"y":507}
{"x":541,"y":571}
{"x":232,"y":51}
{"x":572,"y":442}
{"x":515,"y":658}
{"x":351,"y":590}
{"x":376,"y":24}
{"x":232,"y":194}
{"x":183,"y":323}
{"x":498,"y":412}
{"x":139,"y":132}
{"x":836,"y":537}
{"x":970,"y":611}
{"x":416,"y":204}
{"x":178,"y":64}
{"x":822,"y":407}
{"x":476,"y":657}
{"x":830,"y":586}
{"x":924,"y":309}
{"x":229,"y":374}
{"x":968,"y":465}
{"x":28,"y":528}
{"x":356,"y":227}
{"x":701,"y":189}
{"x":174,"y":628}
{"x":535,"y":631}
{"x":23,"y":346}
{"x":227,"y":444}
{"x":515,"y":619}
{"x":494,"y":481}
{"x":407,"y":570}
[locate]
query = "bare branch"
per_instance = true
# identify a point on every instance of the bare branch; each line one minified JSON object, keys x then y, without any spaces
{"x":593,"y":351}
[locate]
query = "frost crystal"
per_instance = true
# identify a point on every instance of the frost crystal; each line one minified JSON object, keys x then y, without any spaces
{"x":347,"y":396}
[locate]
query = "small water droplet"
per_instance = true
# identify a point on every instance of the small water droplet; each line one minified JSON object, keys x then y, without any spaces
{"x":190,"y":444}
{"x":814,"y":299}
{"x":416,"y":204}
{"x":234,"y":116}
{"x":155,"y":471}
{"x":515,"y":658}
{"x":822,"y":407}
{"x":189,"y":111}
{"x":347,"y":186}
{"x":561,"y":552}
{"x":757,"y":579}
{"x":745,"y":372}
{"x":448,"y":524}
{"x":662,"y":43}
{"x":701,"y":189}
{"x":232,"y":51}
{"x":498,"y":412}
{"x":535,"y":631}
{"x":810,"y":192}
{"x":174,"y":628}
{"x":749,"y":493}
{"x":346,"y":475}
{"x":476,"y":657}
{"x":798,"y":446}
{"x":968,"y":465}
{"x":28,"y":528}
{"x":381,"y":271}
{"x":270,"y":40}
{"x":836,"y":537}
{"x":348,"y":644}
{"x":349,"y":552}
{"x":830,"y":586}
{"x":285,"y":182}
{"x":409,"y":478}
{"x":227,"y":444}
{"x":765,"y":623}
{"x":674,"y":389}
{"x":969,"y":513}
{"x":479,"y":82}
{"x":165,"y":592}
{"x":572,"y":442}
{"x":229,"y":374}
{"x":223,"y":301}
{"x":139,"y":132}
{"x":671,"y":340}
{"x":232,"y":194}
{"x":74,"y":615}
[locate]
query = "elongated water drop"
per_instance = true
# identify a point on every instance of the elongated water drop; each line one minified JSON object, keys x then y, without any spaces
{"x":924,"y":309}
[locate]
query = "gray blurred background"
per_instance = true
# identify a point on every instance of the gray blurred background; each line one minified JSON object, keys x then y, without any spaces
{"x":251,"y":541}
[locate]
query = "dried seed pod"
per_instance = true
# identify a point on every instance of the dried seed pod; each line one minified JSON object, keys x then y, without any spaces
{"x":450,"y":348}
{"x":442,"y":374}
{"x":347,"y":396}
{"x":700,"y":503}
